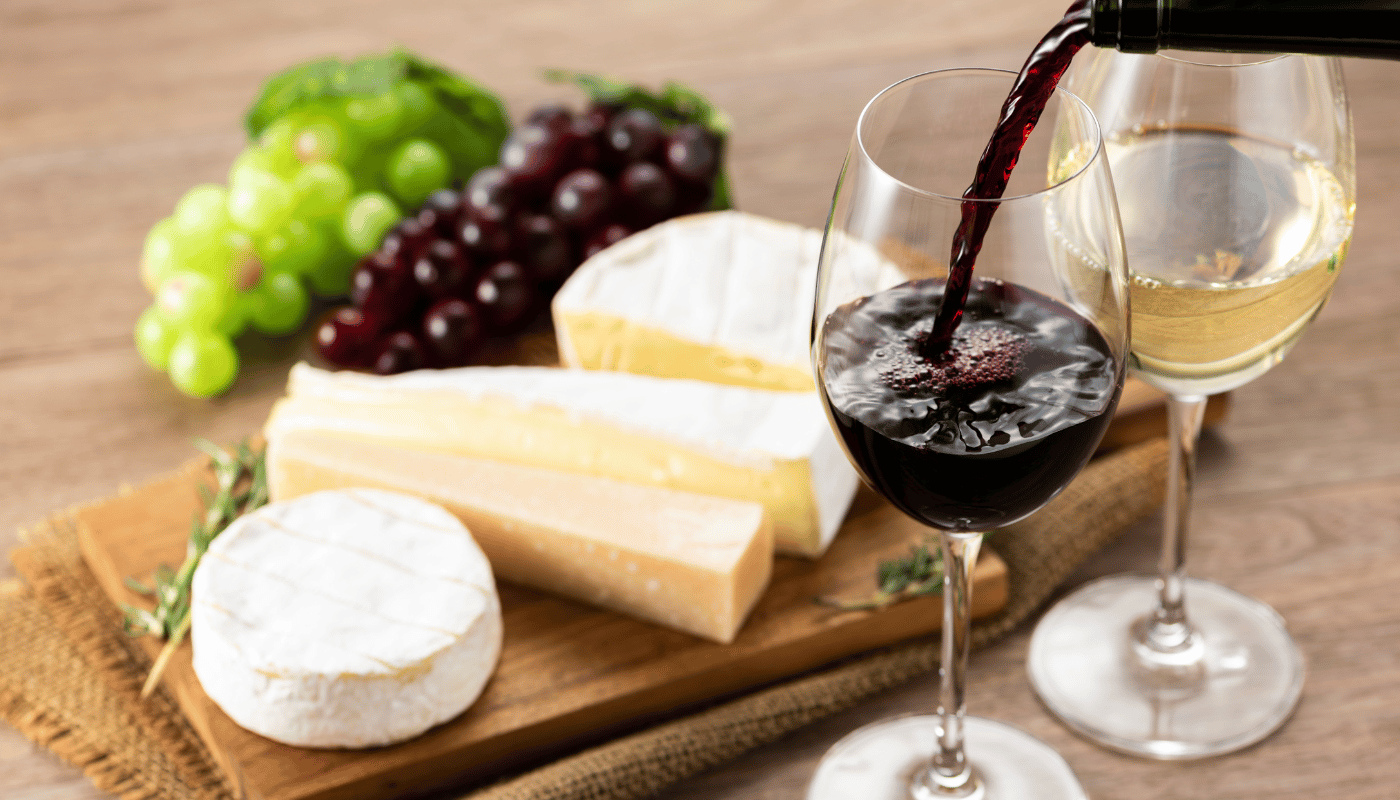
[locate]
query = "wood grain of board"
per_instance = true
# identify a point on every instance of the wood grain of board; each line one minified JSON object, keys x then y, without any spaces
{"x":569,"y":673}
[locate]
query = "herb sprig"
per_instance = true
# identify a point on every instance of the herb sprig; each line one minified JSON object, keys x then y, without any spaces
{"x":901,"y":579}
{"x":240,"y":485}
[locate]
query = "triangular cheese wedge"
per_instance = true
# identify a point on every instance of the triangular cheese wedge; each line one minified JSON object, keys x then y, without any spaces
{"x":691,"y":562}
{"x":774,"y":448}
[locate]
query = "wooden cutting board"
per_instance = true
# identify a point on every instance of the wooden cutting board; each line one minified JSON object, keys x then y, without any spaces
{"x":569,"y":674}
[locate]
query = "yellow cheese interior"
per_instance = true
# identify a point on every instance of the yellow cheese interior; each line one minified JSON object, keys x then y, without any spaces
{"x":606,"y":342}
{"x":502,"y":430}
{"x":691,"y":562}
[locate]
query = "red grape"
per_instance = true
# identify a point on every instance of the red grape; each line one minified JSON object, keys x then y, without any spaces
{"x":407,"y":237}
{"x":399,"y":352}
{"x":451,"y":331}
{"x":505,"y":295}
{"x":544,"y":247}
{"x":532,"y":158}
{"x":487,"y":237}
{"x":343,"y":338}
{"x":382,"y":295}
{"x":441,"y":270}
{"x":607,"y":236}
{"x":596,"y":119}
{"x":635,"y":135}
{"x":489,"y":194}
{"x":581,"y":199}
{"x":692,"y":154}
{"x":551,"y":117}
{"x":645,"y":193}
{"x":441,"y":212}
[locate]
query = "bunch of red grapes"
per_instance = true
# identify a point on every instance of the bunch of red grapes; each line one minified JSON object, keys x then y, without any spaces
{"x":485,"y":261}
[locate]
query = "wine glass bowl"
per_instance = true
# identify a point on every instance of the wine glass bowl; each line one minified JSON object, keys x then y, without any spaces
{"x":975,"y":433}
{"x":1235,"y":179}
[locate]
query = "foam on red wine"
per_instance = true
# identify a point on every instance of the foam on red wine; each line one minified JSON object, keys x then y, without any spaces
{"x":1019,"y":114}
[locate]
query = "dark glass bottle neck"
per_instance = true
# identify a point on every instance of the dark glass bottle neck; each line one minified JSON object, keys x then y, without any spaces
{"x":1326,"y":27}
{"x":1133,"y":26}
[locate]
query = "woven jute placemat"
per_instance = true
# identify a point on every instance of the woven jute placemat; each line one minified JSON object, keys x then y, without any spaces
{"x":69,"y":679}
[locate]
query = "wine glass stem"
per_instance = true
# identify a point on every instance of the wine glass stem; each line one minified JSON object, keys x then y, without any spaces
{"x":948,"y":774}
{"x":1166,"y":642}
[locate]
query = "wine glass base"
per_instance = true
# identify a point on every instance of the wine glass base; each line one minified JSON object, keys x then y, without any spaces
{"x":1080,"y":666}
{"x":879,"y":762}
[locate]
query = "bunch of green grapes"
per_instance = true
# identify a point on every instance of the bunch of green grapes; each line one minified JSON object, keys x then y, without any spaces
{"x":336,"y":153}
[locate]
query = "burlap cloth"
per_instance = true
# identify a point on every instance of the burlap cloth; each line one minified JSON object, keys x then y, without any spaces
{"x":69,"y":678}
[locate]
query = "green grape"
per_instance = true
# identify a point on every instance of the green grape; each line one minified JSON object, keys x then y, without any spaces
{"x":416,"y":169}
{"x":322,"y":190}
{"x":377,"y":117}
{"x":192,"y":300}
{"x":237,"y":313}
{"x":161,"y":254}
{"x":259,"y":161}
{"x":202,"y":364}
{"x":154,"y":338}
{"x":278,"y":142}
{"x":297,"y":248}
{"x":418,"y":105}
{"x":323,"y":139}
{"x":203,"y":211}
{"x":260,"y":202}
{"x":369,"y":216}
{"x":244,"y":268}
{"x":331,"y":276}
{"x":279,"y":304}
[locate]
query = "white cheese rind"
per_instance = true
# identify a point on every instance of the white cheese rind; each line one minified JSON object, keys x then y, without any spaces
{"x":691,"y":562}
{"x":736,"y":282}
{"x":351,"y":618}
{"x":759,"y":440}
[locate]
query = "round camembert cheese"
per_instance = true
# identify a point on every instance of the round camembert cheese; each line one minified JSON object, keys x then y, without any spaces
{"x":345,"y":618}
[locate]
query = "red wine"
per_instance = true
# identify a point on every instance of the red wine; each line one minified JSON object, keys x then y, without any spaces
{"x":1019,"y":114}
{"x":989,"y":429}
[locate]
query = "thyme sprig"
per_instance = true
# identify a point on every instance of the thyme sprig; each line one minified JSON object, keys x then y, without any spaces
{"x":901,"y":579}
{"x":240,"y":485}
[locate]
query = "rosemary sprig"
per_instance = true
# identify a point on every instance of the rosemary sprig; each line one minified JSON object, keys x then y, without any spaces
{"x":240,"y":485}
{"x":919,"y":574}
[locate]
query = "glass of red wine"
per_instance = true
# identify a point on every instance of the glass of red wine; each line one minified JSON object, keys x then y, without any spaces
{"x":1235,"y":178}
{"x":974,"y":431}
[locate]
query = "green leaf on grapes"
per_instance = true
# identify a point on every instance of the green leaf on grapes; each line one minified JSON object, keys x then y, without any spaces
{"x":328,"y":77}
{"x":673,"y":105}
{"x":472,"y":127}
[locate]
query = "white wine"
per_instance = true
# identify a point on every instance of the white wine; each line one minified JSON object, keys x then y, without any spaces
{"x":1234,"y":244}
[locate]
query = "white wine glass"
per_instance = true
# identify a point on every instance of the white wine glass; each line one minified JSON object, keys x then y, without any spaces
{"x":976,"y":435}
{"x":1235,"y":179}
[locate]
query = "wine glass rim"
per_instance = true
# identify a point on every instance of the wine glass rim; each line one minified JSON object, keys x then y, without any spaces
{"x":865,"y":152}
{"x":1186,"y":57}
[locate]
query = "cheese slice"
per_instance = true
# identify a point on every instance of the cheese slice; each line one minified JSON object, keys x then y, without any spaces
{"x":344,"y":619}
{"x":723,"y":297}
{"x":774,"y":448}
{"x":691,"y":562}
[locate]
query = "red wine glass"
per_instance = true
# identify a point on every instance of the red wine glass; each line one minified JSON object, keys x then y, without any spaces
{"x":973,"y":433}
{"x":1235,"y":182}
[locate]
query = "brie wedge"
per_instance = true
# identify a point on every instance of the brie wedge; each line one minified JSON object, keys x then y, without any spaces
{"x":723,"y":297}
{"x":773,"y":448}
{"x":349,"y":618}
{"x":691,"y":562}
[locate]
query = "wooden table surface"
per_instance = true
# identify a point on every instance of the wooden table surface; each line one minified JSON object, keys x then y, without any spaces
{"x":110,"y":109}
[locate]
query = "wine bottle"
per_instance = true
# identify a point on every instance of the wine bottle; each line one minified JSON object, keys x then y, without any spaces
{"x":1369,"y":28}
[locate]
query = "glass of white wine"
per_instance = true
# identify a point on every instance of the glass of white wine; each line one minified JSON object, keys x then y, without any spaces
{"x":1235,"y":180}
